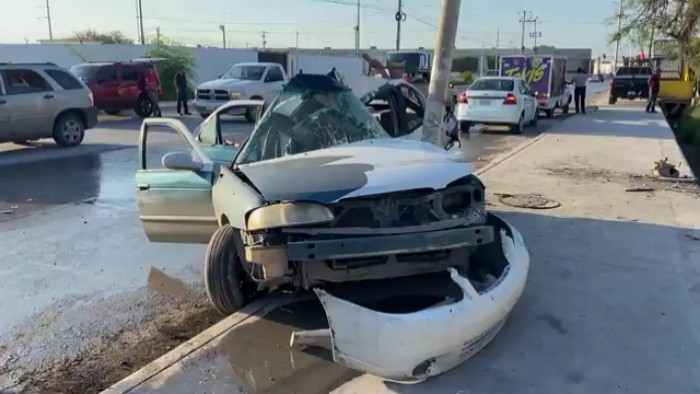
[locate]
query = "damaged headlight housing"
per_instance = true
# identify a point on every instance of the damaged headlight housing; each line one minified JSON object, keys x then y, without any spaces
{"x":288,"y":215}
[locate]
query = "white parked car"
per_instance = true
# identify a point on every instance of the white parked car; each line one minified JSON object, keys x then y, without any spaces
{"x":243,"y":81}
{"x":497,"y":101}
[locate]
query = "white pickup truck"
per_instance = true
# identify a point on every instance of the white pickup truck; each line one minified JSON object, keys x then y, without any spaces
{"x":243,"y":81}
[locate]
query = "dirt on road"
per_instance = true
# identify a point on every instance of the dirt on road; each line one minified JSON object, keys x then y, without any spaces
{"x":176,"y":313}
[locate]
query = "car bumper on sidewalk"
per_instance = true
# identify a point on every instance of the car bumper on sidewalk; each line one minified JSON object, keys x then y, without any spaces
{"x":411,"y":347}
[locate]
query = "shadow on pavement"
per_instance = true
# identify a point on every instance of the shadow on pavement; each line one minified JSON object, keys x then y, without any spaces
{"x":608,"y":307}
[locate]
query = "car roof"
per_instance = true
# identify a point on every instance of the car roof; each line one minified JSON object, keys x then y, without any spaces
{"x":257,"y":64}
{"x":496,"y":77}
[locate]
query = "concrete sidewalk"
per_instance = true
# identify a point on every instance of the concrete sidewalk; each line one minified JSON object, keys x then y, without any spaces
{"x":610,"y":305}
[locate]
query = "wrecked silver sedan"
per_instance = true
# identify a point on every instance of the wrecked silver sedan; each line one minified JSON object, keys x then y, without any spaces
{"x":321,"y":193}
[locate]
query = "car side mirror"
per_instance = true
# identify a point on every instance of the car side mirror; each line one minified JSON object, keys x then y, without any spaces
{"x":181,"y":161}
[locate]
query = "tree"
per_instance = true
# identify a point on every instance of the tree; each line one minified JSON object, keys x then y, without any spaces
{"x":178,"y":58}
{"x":673,"y":19}
{"x":91,"y":35}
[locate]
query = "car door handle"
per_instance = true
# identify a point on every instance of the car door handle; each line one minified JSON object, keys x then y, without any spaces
{"x":144,"y":186}
{"x":49,"y":96}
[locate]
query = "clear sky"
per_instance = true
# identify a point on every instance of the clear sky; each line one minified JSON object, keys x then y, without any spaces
{"x":319,"y":23}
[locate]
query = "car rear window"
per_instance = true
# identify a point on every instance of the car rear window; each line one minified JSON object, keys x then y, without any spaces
{"x":64,"y":79}
{"x":85,"y":72}
{"x":623,"y":71}
{"x":501,"y":85}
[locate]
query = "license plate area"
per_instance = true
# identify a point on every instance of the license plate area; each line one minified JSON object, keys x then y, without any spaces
{"x":631,"y":93}
{"x":484,"y":102}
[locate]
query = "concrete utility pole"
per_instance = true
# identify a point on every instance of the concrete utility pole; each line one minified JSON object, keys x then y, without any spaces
{"x":619,"y":27}
{"x":158,"y":35}
{"x":527,"y":18}
{"x":297,"y":40}
{"x":357,"y":31}
{"x":400,"y":16}
{"x":48,"y":17}
{"x":223,"y":34}
{"x":264,"y":41}
{"x":143,"y":35}
{"x":440,"y":74}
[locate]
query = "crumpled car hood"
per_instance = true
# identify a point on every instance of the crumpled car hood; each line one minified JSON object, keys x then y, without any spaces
{"x":353,"y":170}
{"x":225,"y":84}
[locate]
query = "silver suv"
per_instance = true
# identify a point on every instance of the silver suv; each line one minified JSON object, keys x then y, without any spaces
{"x":41,"y":100}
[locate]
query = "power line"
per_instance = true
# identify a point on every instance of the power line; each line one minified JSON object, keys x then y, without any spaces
{"x":527,"y":18}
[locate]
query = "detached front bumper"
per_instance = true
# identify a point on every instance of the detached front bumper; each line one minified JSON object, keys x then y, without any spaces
{"x":412,"y":347}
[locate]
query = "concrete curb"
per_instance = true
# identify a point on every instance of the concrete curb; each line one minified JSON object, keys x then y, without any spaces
{"x":255,"y":310}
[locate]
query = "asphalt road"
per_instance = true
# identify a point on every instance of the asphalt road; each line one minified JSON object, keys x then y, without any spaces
{"x":79,"y":280}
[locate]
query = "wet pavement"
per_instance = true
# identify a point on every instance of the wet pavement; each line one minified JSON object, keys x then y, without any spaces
{"x":76,"y":260}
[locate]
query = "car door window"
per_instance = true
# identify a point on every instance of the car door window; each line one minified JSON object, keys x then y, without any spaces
{"x":64,"y":79}
{"x":107,"y":75}
{"x":22,"y":81}
{"x":129,"y":74}
{"x":209,"y":131}
{"x":411,"y":110}
{"x":274,"y":74}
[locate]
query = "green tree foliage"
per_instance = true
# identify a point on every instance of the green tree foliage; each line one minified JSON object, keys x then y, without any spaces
{"x":91,"y":35}
{"x":178,"y":58}
{"x":677,"y":20}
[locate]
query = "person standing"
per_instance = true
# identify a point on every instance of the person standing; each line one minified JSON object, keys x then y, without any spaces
{"x":654,"y":82}
{"x":181,"y":88}
{"x":580,"y":91}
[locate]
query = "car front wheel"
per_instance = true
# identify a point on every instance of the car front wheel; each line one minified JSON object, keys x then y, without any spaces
{"x":68,"y":130}
{"x":227,"y":284}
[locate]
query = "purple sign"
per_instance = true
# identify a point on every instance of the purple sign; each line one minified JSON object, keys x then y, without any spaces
{"x":512,"y":66}
{"x":537,"y":73}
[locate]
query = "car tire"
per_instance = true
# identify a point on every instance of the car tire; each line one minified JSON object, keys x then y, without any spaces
{"x":113,"y":112}
{"x":565,"y":109}
{"x":518,"y":127}
{"x":144,"y":107}
{"x":549,"y":113}
{"x":204,"y":115}
{"x":464,"y":127}
{"x":68,"y":130}
{"x":612,"y":100}
{"x":226,"y":282}
{"x":535,"y":119}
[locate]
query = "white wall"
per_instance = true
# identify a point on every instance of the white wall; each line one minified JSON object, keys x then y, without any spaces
{"x":350,"y":67}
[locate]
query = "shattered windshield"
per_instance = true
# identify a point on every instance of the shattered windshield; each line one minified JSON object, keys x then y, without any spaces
{"x":313,"y":112}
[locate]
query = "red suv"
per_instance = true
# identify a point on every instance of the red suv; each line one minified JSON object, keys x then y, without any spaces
{"x":114,"y":85}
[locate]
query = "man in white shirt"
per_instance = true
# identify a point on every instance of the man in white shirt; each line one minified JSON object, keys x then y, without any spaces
{"x":580,"y":90}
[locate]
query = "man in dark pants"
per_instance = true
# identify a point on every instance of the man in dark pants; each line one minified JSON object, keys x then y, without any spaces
{"x":181,"y":88}
{"x":580,"y":90}
{"x":653,"y":82}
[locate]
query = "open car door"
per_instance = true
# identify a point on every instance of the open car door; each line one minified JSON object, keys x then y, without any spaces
{"x":212,"y":134}
{"x":174,"y":184}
